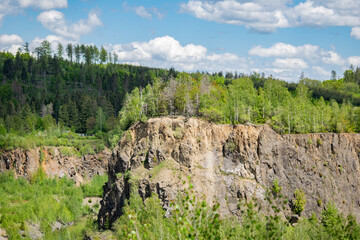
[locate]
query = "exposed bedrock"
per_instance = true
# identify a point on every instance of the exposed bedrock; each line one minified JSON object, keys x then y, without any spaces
{"x":230,"y":163}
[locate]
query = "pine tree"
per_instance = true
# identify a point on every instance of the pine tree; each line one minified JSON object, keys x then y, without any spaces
{"x":69,"y":50}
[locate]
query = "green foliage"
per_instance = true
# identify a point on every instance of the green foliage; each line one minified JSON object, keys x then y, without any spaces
{"x":69,"y":143}
{"x":44,"y":201}
{"x":68,"y":151}
{"x":276,"y":189}
{"x":299,"y":201}
{"x":95,"y":187}
{"x":86,"y":97}
{"x":338,"y":227}
{"x":178,"y":133}
{"x":193,"y":218}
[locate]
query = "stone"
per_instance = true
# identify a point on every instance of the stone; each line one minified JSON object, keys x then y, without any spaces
{"x":231,"y":163}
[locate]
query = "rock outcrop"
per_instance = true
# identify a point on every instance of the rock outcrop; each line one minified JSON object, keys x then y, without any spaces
{"x":26,"y":162}
{"x":230,"y":163}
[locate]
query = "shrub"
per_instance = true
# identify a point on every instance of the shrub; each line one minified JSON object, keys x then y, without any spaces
{"x":68,"y":151}
{"x":86,"y":150}
{"x":95,"y":187}
{"x":276,"y":189}
{"x":299,"y":201}
{"x":178,"y":133}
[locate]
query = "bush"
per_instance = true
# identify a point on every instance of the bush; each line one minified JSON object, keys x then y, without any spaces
{"x":299,"y":201}
{"x":86,"y":150}
{"x":95,"y":187}
{"x":178,"y":133}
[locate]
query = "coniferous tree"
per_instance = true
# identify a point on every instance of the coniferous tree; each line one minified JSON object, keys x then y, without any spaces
{"x":69,"y":50}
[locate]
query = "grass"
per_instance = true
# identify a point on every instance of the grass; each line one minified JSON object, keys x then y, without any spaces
{"x":164,"y":164}
{"x":71,"y":143}
{"x":44,"y":201}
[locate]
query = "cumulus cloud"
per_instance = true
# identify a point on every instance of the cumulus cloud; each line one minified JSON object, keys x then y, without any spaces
{"x":166,"y":52}
{"x":355,"y":61}
{"x":252,"y":14}
{"x":55,"y":21}
{"x":144,"y":12}
{"x":290,"y":63}
{"x":7,"y":7}
{"x":355,"y":32}
{"x":267,"y":16}
{"x":284,"y":50}
{"x":321,"y":71}
{"x":310,"y":52}
{"x":43,"y":4}
{"x":16,"y":6}
{"x":333,"y":58}
{"x":10,"y":43}
{"x":53,"y":39}
{"x":10,"y":39}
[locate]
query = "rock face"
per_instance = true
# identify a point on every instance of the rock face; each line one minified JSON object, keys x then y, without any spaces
{"x":26,"y":162}
{"x":230,"y":163}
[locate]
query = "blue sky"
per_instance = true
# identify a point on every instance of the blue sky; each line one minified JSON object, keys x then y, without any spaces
{"x":282,"y":38}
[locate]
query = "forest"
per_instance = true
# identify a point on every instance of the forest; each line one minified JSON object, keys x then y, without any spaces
{"x":81,"y":97}
{"x":81,"y":89}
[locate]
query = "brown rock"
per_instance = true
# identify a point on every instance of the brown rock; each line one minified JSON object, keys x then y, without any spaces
{"x":26,"y":162}
{"x":229,"y":163}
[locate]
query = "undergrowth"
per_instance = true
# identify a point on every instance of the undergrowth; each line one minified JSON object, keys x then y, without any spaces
{"x":194,"y":218}
{"x":42,"y":201}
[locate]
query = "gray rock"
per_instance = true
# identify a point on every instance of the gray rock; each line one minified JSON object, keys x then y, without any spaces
{"x":230,"y":163}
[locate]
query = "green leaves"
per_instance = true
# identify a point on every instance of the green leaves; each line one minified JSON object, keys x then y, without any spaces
{"x":299,"y":201}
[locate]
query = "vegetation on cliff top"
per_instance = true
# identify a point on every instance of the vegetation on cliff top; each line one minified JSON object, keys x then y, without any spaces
{"x":85,"y":91}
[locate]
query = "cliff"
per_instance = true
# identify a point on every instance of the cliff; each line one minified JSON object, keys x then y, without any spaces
{"x":230,"y":163}
{"x":26,"y":162}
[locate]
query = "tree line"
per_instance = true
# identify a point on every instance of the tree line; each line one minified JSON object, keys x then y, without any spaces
{"x":83,"y":88}
{"x":239,"y":101}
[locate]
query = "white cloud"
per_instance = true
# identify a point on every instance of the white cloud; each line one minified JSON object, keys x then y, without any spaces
{"x":355,"y":32}
{"x":7,"y":7}
{"x":10,"y":43}
{"x":355,"y":61}
{"x":267,"y":16}
{"x":16,"y":6}
{"x":144,"y":12}
{"x":321,"y":71}
{"x":166,"y":52}
{"x":55,"y":21}
{"x":311,"y":14}
{"x":43,"y":4}
{"x":53,"y":39}
{"x":290,"y":63}
{"x":252,"y":14}
{"x":10,"y":39}
{"x":332,"y":57}
{"x":284,"y":50}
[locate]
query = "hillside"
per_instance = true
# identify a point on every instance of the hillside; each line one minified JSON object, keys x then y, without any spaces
{"x":231,"y":163}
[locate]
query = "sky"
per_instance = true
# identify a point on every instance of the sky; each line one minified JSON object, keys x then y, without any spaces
{"x":282,"y":38}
